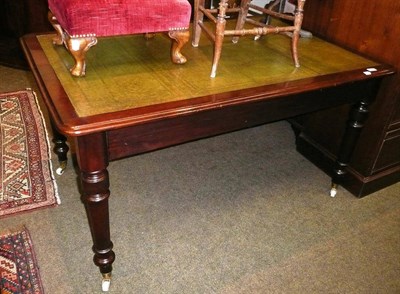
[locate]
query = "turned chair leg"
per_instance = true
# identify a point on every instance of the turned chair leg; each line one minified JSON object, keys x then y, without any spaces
{"x":241,"y":20}
{"x":295,"y":41}
{"x":197,"y":19}
{"x":298,"y":20}
{"x":219,"y":36}
{"x":179,"y":39}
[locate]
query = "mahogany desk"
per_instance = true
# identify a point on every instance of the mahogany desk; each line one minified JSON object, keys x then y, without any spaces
{"x":134,"y":100}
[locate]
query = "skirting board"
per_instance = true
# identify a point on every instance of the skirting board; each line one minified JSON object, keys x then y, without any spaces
{"x":357,"y":184}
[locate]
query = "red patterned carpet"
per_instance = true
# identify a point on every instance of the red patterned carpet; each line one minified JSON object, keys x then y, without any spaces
{"x":27,"y":181}
{"x":18,"y":268}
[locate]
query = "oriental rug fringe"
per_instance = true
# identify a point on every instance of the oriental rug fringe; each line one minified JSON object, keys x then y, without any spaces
{"x":18,"y":267}
{"x":27,"y":180}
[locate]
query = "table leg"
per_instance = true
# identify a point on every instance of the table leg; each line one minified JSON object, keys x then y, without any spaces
{"x":93,"y":161}
{"x":358,"y":115}
{"x":60,"y":149}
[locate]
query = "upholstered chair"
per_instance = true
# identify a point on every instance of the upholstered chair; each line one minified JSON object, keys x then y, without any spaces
{"x":80,"y":22}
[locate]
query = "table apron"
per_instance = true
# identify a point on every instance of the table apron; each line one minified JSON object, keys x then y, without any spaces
{"x":171,"y":131}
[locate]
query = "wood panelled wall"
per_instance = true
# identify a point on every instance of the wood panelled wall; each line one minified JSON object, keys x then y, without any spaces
{"x":371,"y":28}
{"x":17,"y":18}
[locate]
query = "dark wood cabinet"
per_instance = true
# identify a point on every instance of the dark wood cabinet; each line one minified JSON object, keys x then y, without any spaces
{"x":373,"y":29}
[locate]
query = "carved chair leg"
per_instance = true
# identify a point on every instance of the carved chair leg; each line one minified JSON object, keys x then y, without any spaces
{"x":59,"y":39}
{"x":78,"y":48}
{"x":179,"y":39}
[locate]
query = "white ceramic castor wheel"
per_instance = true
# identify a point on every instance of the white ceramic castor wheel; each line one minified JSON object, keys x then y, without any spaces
{"x":105,"y":283}
{"x":333,"y":190}
{"x":60,"y":170}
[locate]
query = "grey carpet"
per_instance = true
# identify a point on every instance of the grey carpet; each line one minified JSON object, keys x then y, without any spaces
{"x":237,"y":213}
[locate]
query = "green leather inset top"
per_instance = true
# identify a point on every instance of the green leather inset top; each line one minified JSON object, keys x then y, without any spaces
{"x":129,"y":71}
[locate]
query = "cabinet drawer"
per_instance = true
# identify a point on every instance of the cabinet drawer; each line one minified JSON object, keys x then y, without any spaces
{"x":389,"y":154}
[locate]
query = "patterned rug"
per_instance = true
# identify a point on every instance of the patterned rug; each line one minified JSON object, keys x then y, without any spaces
{"x":27,"y":180}
{"x":18,"y":268}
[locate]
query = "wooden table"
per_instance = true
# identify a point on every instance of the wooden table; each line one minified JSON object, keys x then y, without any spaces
{"x":134,"y":100}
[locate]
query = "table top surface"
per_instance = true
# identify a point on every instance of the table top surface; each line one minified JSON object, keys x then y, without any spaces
{"x":130,"y":79}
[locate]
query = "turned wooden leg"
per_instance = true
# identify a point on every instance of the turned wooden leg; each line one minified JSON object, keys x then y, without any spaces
{"x":241,"y":19}
{"x":93,"y":162}
{"x":59,"y":39}
{"x":197,"y":19}
{"x":298,"y":20}
{"x":179,"y":39}
{"x":78,"y":48}
{"x":60,"y":149}
{"x":357,"y":117}
{"x":219,"y":36}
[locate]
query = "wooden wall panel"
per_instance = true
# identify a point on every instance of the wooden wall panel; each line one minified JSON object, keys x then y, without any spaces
{"x":371,"y":27}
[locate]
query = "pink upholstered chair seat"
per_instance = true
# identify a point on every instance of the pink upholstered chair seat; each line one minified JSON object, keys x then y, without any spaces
{"x":120,"y":17}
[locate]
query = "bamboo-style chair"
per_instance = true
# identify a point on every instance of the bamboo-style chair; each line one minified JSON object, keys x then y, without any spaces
{"x":291,"y":25}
